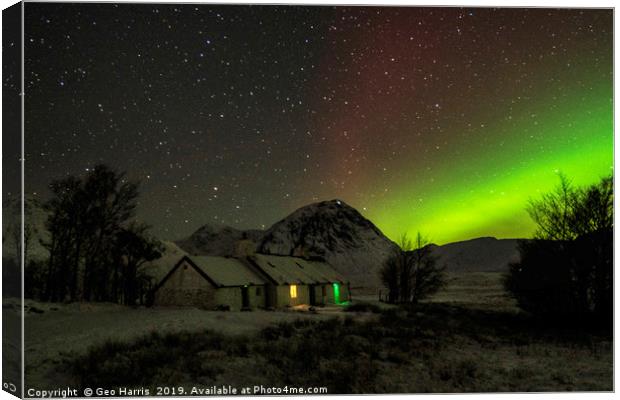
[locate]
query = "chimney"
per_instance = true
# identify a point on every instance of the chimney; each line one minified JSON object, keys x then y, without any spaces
{"x":244,"y":247}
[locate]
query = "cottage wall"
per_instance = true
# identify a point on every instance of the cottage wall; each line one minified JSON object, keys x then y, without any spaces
{"x":329,"y":293}
{"x":282,"y":296}
{"x":321,"y":293}
{"x":259,"y":300}
{"x":256,"y":297}
{"x":303,"y":295}
{"x":228,"y":296}
{"x":345,"y":294}
{"x":186,"y":287}
{"x":271,"y":296}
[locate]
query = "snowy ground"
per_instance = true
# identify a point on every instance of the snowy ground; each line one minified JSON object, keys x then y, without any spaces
{"x":54,"y":331}
{"x":63,"y":329}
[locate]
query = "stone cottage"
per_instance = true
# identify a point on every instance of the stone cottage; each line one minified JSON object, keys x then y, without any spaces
{"x":253,"y":281}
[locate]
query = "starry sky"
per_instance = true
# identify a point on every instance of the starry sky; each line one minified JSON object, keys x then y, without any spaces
{"x":443,"y":120}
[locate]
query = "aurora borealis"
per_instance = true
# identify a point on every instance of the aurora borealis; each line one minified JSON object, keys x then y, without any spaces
{"x":443,"y":120}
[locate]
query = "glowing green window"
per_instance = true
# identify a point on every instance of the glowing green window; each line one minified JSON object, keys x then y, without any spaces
{"x":336,"y":293}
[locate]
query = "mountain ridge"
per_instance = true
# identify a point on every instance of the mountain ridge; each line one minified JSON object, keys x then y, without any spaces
{"x":341,"y":235}
{"x":331,"y":229}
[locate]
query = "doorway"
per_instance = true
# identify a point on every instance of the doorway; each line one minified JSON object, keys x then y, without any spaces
{"x":312,"y":289}
{"x":336,"y":293}
{"x":245,"y":297}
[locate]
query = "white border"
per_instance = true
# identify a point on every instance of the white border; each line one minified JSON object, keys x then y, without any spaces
{"x":479,"y":3}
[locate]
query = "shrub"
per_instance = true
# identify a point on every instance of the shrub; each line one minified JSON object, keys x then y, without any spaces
{"x":363,"y":307}
{"x":567,"y":270}
{"x":148,"y":360}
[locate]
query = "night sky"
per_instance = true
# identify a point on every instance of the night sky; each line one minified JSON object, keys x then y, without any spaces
{"x":444,"y":120}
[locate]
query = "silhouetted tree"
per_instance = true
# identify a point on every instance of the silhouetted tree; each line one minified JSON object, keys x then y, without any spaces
{"x":34,"y":275}
{"x":136,"y":248}
{"x":94,"y":246}
{"x":426,"y":276}
{"x":390,"y":277}
{"x":61,"y":223}
{"x":13,"y":266}
{"x":111,"y":204}
{"x":411,"y":273}
{"x":568,"y":267}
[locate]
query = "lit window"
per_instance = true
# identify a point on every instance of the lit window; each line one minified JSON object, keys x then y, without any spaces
{"x":293,"y":291}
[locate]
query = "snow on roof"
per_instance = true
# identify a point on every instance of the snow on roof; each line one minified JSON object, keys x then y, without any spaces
{"x":160,"y":267}
{"x":288,"y":270}
{"x":226,"y":271}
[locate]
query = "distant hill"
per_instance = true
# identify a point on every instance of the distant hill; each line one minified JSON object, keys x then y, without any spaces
{"x":485,"y":254}
{"x":217,"y":240}
{"x":34,"y":223}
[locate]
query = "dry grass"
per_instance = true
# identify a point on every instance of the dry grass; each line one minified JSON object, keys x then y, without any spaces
{"x":73,"y":328}
{"x":431,"y":348}
{"x":476,"y":290}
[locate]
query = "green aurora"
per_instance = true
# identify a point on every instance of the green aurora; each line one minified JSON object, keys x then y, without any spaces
{"x":451,"y":133}
{"x":484,"y":193}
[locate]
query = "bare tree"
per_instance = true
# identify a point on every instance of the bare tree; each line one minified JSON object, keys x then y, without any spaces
{"x":390,"y":274}
{"x":411,"y":273}
{"x":95,"y":248}
{"x":553,"y":212}
{"x":426,"y":276}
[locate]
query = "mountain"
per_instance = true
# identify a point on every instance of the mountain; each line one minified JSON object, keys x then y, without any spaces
{"x":330,"y":229}
{"x":485,"y":254}
{"x":336,"y":232}
{"x":217,"y":240}
{"x":34,"y":224}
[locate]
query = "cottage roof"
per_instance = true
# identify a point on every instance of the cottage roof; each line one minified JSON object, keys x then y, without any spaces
{"x":285,"y":270}
{"x":226,"y":271}
{"x":158,"y":269}
{"x":221,"y":271}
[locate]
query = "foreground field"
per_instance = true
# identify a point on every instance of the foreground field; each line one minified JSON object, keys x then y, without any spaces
{"x":55,"y":333}
{"x":432,"y":348}
{"x":470,"y":337}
